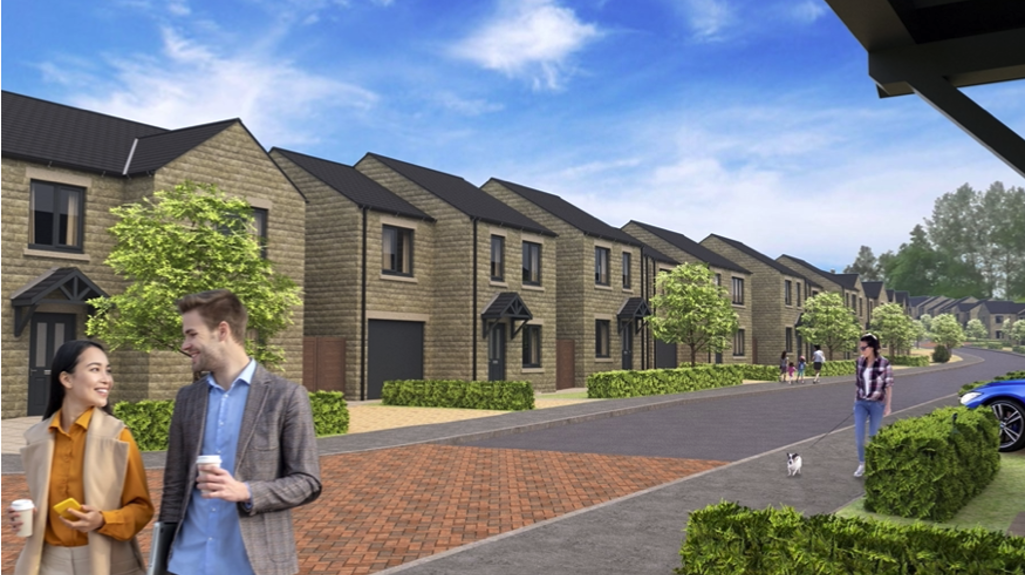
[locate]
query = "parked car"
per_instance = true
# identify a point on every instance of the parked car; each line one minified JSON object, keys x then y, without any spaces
{"x":1007,"y":400}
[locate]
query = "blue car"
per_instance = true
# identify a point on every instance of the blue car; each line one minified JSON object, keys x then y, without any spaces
{"x":1007,"y":400}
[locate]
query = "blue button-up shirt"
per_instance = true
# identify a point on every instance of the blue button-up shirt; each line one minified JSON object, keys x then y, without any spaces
{"x":210,"y":540}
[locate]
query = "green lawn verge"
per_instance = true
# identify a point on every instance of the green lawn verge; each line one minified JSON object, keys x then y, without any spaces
{"x":571,"y":395}
{"x":993,"y":509}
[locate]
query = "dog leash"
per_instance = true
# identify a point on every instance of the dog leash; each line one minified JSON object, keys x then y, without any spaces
{"x":837,"y":426}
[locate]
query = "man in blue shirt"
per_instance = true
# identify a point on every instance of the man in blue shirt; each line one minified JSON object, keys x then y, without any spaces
{"x":235,"y":518}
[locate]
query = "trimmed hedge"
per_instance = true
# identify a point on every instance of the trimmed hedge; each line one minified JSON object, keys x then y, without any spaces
{"x":150,"y":421}
{"x":730,"y":539}
{"x":618,"y":384}
{"x":910,"y":360}
{"x":498,"y":395}
{"x":940,"y":354}
{"x":930,"y":467}
{"x":1018,"y":349}
{"x":1009,"y":375}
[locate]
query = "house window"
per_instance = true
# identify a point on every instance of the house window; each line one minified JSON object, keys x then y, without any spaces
{"x":497,"y":258}
{"x":56,"y":216}
{"x":790,"y":339}
{"x":531,"y":263}
{"x":260,"y":216}
{"x":601,"y":337}
{"x":998,"y":319}
{"x":1000,"y":334}
{"x":861,"y":306}
{"x":532,"y":346}
{"x":626,"y":270}
{"x":798,"y":294}
{"x":738,"y":291}
{"x":787,"y":288}
{"x":738,"y":343}
{"x":718,"y":279}
{"x":397,"y":251}
{"x":601,"y":266}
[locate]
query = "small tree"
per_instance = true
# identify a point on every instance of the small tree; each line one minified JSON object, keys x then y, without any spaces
{"x":976,"y":330}
{"x":691,"y":309}
{"x":946,"y":331}
{"x":926,"y":320}
{"x":828,"y":322}
{"x":892,"y":327}
{"x":1017,"y":332}
{"x":919,"y":330}
{"x":187,"y":240}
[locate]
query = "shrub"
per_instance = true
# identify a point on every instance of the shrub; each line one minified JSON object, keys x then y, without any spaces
{"x":617,"y":384}
{"x":930,"y":467}
{"x":330,"y":413}
{"x":150,"y":421}
{"x":910,"y":360}
{"x":1009,"y":375}
{"x":941,"y":354}
{"x":730,"y":539}
{"x":1018,"y":349}
{"x":498,"y":395}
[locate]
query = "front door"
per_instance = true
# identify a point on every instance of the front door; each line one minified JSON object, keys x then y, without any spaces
{"x":49,"y":332}
{"x":496,"y":353}
{"x":628,"y":345}
{"x":718,"y":357}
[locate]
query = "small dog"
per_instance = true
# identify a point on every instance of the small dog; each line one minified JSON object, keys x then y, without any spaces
{"x":793,"y":464}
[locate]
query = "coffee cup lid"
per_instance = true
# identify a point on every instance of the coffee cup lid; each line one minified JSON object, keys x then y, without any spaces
{"x":208,"y":459}
{"x":22,"y":504}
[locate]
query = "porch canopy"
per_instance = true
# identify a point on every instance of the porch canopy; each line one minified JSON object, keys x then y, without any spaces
{"x":933,"y":47}
{"x":634,"y":311}
{"x":505,"y":305}
{"x":56,"y":285}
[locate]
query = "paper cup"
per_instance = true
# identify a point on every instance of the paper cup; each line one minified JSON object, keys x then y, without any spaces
{"x":207,"y":460}
{"x":24,"y":507}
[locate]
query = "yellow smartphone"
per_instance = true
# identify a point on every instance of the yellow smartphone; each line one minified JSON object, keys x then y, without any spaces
{"x":62,"y":508}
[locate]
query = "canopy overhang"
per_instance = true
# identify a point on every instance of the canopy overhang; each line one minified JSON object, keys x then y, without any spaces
{"x":505,"y":306}
{"x":634,"y":310}
{"x":56,"y":285}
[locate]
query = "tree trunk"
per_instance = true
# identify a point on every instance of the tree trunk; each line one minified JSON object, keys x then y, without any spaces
{"x":693,"y":355}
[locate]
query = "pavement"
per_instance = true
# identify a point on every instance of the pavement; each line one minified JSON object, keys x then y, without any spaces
{"x":591,"y":487}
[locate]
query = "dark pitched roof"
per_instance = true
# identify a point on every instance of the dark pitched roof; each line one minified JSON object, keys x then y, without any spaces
{"x":634,"y":308}
{"x":763,"y":258}
{"x":156,"y":151}
{"x":848,"y":281}
{"x":902,"y":296}
{"x":570,"y":214}
{"x":1004,"y":307}
{"x":915,"y":301}
{"x":464,"y":196}
{"x":355,"y":186}
{"x":650,"y":252}
{"x":693,"y":248}
{"x":56,"y":134}
{"x":872,"y":289}
{"x":507,"y":305}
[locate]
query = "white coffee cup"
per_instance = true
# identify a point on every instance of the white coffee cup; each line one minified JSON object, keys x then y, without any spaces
{"x":207,"y":461}
{"x":24,"y":507}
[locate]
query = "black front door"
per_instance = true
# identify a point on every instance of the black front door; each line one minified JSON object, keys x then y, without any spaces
{"x":496,"y":353}
{"x":49,"y":332}
{"x":718,"y":357}
{"x":628,"y":345}
{"x":665,"y":355}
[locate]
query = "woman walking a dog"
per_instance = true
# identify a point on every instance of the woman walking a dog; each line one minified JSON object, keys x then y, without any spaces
{"x":874,"y":378}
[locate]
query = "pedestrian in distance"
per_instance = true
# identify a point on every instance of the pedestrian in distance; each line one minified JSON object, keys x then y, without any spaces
{"x":874,"y":378}
{"x":81,"y":451}
{"x":801,"y":366}
{"x":236,"y":517}
{"x":818,"y":359}
{"x":791,"y":371}
{"x":783,"y":366}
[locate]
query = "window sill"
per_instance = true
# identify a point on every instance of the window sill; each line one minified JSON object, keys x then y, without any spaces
{"x":496,"y":283}
{"x":56,"y":255}
{"x":628,"y":290}
{"x":601,"y":287}
{"x":533,"y":288}
{"x":394,"y":278}
{"x":533,"y":370}
{"x":603,"y":360}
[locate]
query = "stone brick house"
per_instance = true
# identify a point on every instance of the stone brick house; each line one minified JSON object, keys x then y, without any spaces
{"x":847,"y":285}
{"x":875,"y":296}
{"x":490,"y":319}
{"x":686,"y":250}
{"x":369,"y":278}
{"x":601,"y":298}
{"x":775,"y":295}
{"x":997,"y":316}
{"x":63,"y":170}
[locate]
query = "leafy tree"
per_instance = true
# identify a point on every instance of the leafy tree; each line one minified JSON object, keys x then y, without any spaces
{"x":865,"y":265}
{"x":919,"y":331}
{"x":691,"y":309}
{"x":892,"y":327}
{"x":1017,"y":332}
{"x":946,"y":331}
{"x":926,"y":320}
{"x":975,"y":329}
{"x":914,"y":267}
{"x":828,"y":322}
{"x":186,"y":240}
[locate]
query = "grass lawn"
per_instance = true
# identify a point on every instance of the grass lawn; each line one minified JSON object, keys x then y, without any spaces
{"x":992,"y":509}
{"x":570,"y":395}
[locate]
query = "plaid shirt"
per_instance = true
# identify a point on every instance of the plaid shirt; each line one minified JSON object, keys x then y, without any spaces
{"x":880,"y":381}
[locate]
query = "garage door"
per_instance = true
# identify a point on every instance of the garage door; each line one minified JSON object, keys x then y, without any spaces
{"x":396,"y":351}
{"x":665,"y":355}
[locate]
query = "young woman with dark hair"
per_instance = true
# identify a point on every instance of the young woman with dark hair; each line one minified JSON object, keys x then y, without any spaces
{"x":874,"y":378}
{"x":81,"y":451}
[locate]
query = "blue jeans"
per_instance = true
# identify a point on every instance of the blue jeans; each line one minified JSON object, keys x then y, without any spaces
{"x":873,"y":412}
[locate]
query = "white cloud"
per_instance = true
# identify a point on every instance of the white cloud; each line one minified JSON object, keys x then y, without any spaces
{"x":708,"y":18}
{"x":179,"y":8}
{"x":465,"y":106}
{"x":531,"y":39}
{"x":192,"y":83}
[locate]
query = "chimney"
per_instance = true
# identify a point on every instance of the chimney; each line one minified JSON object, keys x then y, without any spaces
{"x":832,"y":270}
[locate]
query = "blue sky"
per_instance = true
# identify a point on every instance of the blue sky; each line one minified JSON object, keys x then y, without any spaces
{"x":753,"y":119}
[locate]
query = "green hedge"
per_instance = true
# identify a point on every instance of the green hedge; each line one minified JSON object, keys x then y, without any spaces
{"x":930,"y":467}
{"x":910,"y":360}
{"x":728,"y":539}
{"x":940,"y":354}
{"x":499,"y":395}
{"x":1018,"y":349}
{"x":150,"y":421}
{"x":1009,"y":375}
{"x":617,"y":384}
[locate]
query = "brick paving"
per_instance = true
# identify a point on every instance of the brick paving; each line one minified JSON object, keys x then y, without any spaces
{"x":383,"y":508}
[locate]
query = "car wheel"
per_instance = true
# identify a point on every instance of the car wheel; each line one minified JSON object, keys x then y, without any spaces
{"x":1011,"y":416}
